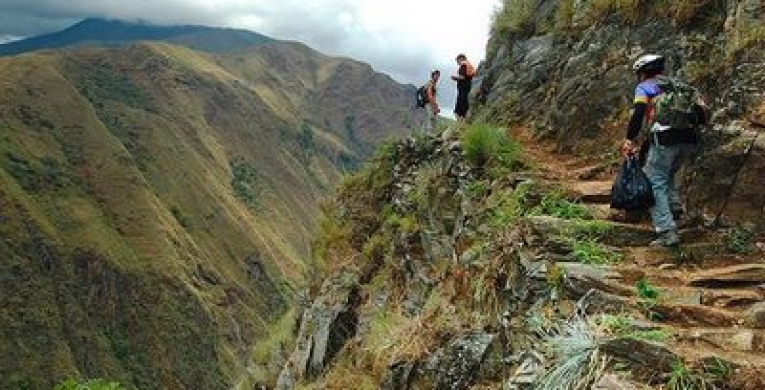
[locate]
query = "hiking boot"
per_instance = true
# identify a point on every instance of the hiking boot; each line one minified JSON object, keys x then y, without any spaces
{"x":677,"y":213}
{"x":666,"y":239}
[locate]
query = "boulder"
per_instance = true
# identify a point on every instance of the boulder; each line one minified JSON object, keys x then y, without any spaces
{"x":325,"y":327}
{"x":457,"y":365}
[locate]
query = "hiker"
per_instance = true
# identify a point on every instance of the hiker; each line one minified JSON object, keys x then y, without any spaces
{"x":464,"y":78}
{"x":429,"y":101}
{"x":668,"y":146}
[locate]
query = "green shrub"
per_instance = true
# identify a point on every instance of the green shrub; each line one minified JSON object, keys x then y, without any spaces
{"x":683,"y":378}
{"x":582,"y":229}
{"x":739,"y":240}
{"x":181,"y":218}
{"x":91,"y":384}
{"x":622,"y":325}
{"x":589,"y":251}
{"x":514,"y":17}
{"x":246,"y":182}
{"x":45,"y":174}
{"x":507,"y":207}
{"x":564,"y":15}
{"x":307,"y":143}
{"x":554,"y":204}
{"x":646,"y":290}
{"x":483,"y":145}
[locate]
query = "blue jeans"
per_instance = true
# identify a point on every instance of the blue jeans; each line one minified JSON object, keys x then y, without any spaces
{"x":661,"y":166}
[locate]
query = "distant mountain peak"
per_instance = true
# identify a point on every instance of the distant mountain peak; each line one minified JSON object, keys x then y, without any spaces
{"x":96,"y":31}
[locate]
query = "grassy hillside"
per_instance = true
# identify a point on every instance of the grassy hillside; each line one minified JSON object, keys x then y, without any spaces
{"x":100,"y":32}
{"x":156,"y":205}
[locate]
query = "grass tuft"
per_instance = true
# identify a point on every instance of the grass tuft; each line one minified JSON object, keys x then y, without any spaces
{"x":578,"y":362}
{"x":484,"y":146}
{"x":684,"y":378}
{"x":556,"y":205}
{"x":590,"y":251}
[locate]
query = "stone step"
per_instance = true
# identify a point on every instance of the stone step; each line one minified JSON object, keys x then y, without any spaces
{"x":752,"y":274}
{"x":614,"y":234}
{"x":604,"y":170}
{"x":597,"y":192}
{"x":696,"y":350}
{"x":731,"y":339}
{"x":693,"y":315}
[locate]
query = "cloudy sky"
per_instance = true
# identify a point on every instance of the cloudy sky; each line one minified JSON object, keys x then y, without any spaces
{"x":403,"y":38}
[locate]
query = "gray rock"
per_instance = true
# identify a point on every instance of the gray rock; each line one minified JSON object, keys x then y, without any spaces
{"x":457,"y":365}
{"x":579,"y":279}
{"x":615,"y":382}
{"x":729,"y":339}
{"x":755,"y":316}
{"x":526,"y":374}
{"x":399,"y":376}
{"x":325,"y":327}
{"x":596,"y":301}
{"x":647,"y":354}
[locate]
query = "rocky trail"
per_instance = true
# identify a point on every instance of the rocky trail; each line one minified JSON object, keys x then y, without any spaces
{"x":704,"y":295}
{"x":477,"y":278}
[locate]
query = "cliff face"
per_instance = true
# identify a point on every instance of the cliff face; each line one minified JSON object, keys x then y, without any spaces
{"x":156,"y":204}
{"x":454,"y":264}
{"x":562,"y":68}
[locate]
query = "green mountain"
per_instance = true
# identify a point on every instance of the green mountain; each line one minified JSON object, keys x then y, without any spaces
{"x":99,"y":32}
{"x":157,"y":203}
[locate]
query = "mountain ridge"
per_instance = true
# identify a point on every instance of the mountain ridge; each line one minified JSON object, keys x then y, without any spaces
{"x":100,"y":31}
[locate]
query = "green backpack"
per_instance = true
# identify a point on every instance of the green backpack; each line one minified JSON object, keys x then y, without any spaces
{"x":676,"y":105}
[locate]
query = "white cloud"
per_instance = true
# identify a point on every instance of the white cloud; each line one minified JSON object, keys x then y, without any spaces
{"x":8,"y":38}
{"x":403,"y":38}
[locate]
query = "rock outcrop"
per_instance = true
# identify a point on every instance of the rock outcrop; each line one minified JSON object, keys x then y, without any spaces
{"x":565,"y":72}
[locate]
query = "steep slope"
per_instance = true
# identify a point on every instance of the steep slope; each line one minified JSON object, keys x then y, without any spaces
{"x":100,"y":32}
{"x":447,"y":268}
{"x":156,"y":206}
{"x":443,"y":272}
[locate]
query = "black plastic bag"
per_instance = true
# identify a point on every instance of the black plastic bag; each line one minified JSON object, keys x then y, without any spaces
{"x":631,"y":190}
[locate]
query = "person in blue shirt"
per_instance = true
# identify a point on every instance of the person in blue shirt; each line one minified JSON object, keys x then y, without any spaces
{"x":668,"y":149}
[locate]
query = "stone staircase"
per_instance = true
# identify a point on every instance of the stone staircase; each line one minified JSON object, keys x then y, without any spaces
{"x":711,"y":302}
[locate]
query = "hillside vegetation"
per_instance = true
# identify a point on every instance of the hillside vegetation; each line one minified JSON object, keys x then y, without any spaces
{"x":457,"y":264}
{"x":157,"y":202}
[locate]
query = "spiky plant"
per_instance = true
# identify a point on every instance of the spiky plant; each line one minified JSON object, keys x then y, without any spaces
{"x":577,"y":360}
{"x":684,"y":378}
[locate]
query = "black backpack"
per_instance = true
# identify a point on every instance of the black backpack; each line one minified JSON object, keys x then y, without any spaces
{"x":421,"y":97}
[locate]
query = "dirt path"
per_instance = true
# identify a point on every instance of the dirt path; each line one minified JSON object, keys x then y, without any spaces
{"x":709,"y":297}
